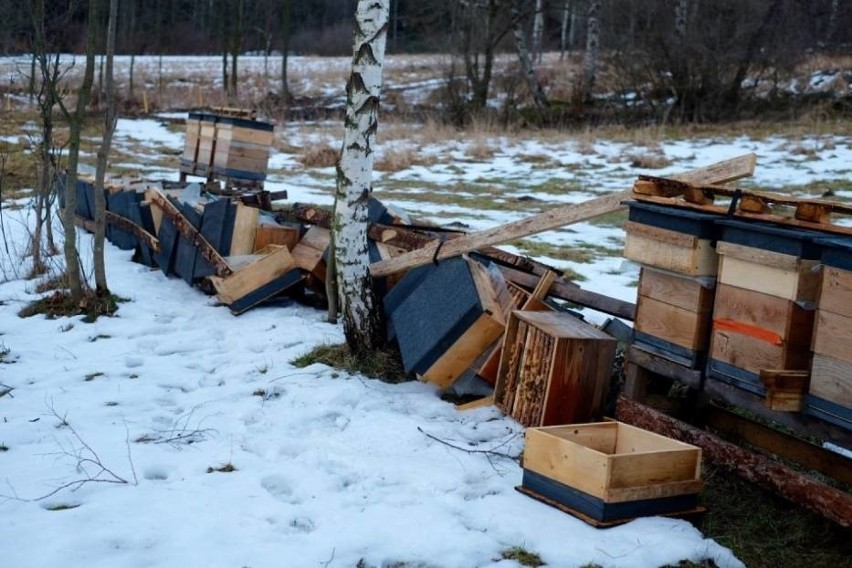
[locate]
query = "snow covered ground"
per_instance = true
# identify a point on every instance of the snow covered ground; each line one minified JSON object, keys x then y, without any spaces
{"x":330,"y":468}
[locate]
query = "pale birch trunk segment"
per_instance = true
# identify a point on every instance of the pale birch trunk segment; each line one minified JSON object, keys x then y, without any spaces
{"x":101,"y":287}
{"x":524,"y":57}
{"x":538,"y":31}
{"x":590,"y":65}
{"x":362,"y":314}
{"x":563,"y":31}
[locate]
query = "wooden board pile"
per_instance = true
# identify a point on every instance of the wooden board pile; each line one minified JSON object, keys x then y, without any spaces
{"x":776,"y":326}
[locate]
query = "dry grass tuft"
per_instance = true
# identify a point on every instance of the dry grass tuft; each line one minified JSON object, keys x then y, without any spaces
{"x":396,"y":160}
{"x":649,"y":160}
{"x":322,"y":156}
{"x":385,"y":364}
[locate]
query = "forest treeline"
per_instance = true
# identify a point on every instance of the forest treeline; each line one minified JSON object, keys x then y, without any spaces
{"x":691,"y":60}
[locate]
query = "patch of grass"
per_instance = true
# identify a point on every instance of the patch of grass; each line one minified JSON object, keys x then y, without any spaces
{"x":60,"y":304}
{"x":20,"y":167}
{"x":320,"y":156}
{"x":111,"y":403}
{"x":706,"y":563}
{"x":98,"y":336}
{"x":259,"y":392}
{"x":224,"y":468}
{"x":649,"y":160}
{"x":522,"y":556}
{"x":4,"y":353}
{"x":93,"y":376}
{"x":385,"y":364}
{"x":62,"y":506}
{"x":57,"y":282}
{"x":3,"y":447}
{"x":764,"y":530}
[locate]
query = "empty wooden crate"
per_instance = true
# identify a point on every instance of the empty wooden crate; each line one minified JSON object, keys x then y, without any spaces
{"x":554,"y":369}
{"x":830,"y":392}
{"x":764,"y":309}
{"x":609,"y":471}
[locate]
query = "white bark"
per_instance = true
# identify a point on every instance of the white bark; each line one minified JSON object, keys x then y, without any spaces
{"x":538,"y":30}
{"x":590,"y":65}
{"x":524,"y":57}
{"x":563,"y":32}
{"x":681,"y":18}
{"x":362,"y":321}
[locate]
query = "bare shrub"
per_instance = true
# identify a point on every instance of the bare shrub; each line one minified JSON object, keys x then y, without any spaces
{"x":321,"y":156}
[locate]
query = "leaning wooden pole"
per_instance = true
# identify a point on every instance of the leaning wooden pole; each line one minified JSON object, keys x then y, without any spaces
{"x":795,"y":486}
{"x":721,"y":172}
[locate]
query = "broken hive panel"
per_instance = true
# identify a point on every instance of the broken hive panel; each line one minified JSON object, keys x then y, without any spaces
{"x":243,"y":234}
{"x":256,"y":277}
{"x":309,"y":253}
{"x":554,"y":368}
{"x":459,"y":356}
{"x":276,"y":235}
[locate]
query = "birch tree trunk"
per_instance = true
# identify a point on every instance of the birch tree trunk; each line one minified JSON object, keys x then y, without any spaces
{"x":590,"y":65}
{"x":538,"y":31}
{"x":101,"y":288}
{"x":524,"y":57}
{"x":563,"y":31}
{"x":285,"y":49}
{"x":362,"y":314}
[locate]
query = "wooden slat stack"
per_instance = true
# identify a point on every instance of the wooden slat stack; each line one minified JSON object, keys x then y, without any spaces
{"x":554,"y":368}
{"x":242,"y":148}
{"x":764,"y":310}
{"x":830,"y":393}
{"x":677,"y":280}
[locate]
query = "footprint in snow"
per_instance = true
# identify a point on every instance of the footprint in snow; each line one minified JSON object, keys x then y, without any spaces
{"x":280,"y":488}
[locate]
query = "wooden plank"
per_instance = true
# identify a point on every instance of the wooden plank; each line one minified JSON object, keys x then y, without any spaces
{"x":463,"y":352}
{"x":797,"y":487}
{"x":653,"y":467}
{"x":692,"y":294}
{"x":269,"y":264}
{"x":752,"y":354}
{"x":798,"y":285}
{"x":697,"y":258}
{"x":663,"y":236}
{"x":245,"y":225}
{"x":741,"y":430}
{"x":565,"y":290}
{"x":558,"y":217}
{"x":836,"y":292}
{"x":833,"y":335}
{"x":572,"y":463}
{"x":474,"y":404}
{"x":831,"y":379}
{"x":665,"y":367}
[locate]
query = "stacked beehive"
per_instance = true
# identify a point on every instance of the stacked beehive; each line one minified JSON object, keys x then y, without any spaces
{"x":677,"y":280}
{"x":242,"y":148}
{"x":764,"y":309}
{"x":830,"y":393}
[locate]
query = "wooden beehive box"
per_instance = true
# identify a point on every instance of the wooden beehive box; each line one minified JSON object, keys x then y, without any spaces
{"x":672,"y":239}
{"x":830,"y":392}
{"x":674,"y":314}
{"x":206,"y":145}
{"x":242,"y":148}
{"x":763,"y":314}
{"x":610,"y":470}
{"x":554,"y":369}
{"x":445,"y":317}
{"x":192,"y":138}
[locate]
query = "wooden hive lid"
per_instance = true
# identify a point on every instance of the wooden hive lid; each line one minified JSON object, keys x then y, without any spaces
{"x":701,"y":225}
{"x":837,"y":252}
{"x":795,"y":242}
{"x":561,"y":325}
